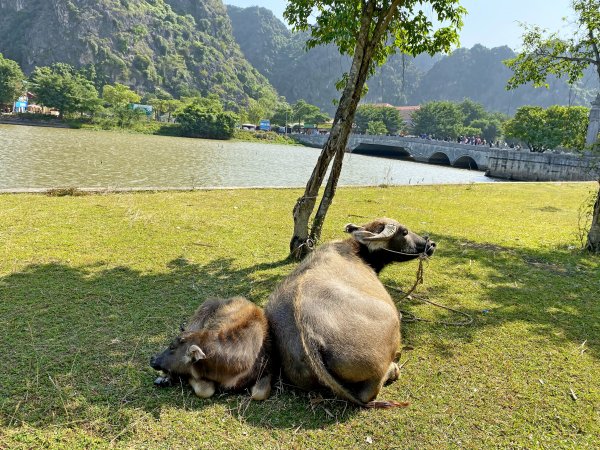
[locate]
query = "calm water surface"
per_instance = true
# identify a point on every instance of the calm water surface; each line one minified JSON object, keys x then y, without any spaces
{"x":35,"y":157}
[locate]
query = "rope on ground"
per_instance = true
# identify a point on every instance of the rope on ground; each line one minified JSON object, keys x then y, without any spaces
{"x":408,"y":317}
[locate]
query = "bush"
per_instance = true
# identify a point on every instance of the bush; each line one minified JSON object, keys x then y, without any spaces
{"x":198,"y":121}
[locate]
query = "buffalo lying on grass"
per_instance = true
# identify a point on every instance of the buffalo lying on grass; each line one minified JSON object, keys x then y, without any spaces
{"x":225,"y":344}
{"x":333,"y":322}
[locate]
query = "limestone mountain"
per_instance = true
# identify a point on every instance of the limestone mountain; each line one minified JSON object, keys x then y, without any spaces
{"x":184,"y":47}
{"x":281,"y":56}
{"x":477,"y":73}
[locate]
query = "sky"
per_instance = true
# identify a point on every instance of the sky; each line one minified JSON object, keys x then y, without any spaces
{"x":490,"y":22}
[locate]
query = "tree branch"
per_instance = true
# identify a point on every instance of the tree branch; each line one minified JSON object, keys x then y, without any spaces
{"x":596,"y":51}
{"x":383,"y":23}
{"x":544,"y":54}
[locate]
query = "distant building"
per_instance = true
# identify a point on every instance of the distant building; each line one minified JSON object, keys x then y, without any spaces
{"x":405,"y":111}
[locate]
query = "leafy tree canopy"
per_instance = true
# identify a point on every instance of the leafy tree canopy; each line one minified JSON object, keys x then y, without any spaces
{"x":60,"y":86}
{"x":440,"y":119}
{"x":376,"y":127}
{"x":546,"y":54}
{"x":390,"y":117}
{"x":395,"y":25}
{"x":119,"y":95}
{"x":307,"y":113}
{"x":205,"y":118}
{"x":283,"y":114}
{"x":11,"y":80}
{"x":541,"y":129}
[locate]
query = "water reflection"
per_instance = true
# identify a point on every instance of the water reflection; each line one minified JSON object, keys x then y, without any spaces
{"x":35,"y":157}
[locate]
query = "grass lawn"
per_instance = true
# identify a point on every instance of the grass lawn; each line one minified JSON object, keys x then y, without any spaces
{"x":92,"y":286}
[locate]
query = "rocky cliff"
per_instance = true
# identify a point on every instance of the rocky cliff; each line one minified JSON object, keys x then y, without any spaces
{"x":181,"y":46}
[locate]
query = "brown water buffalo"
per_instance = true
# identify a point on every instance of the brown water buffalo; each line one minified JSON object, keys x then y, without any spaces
{"x":225,"y":344}
{"x":332,"y":320}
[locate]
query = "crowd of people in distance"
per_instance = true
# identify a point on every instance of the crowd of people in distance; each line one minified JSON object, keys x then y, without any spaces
{"x":473,"y":140}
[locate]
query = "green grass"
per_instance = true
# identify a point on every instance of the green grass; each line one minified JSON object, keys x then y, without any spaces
{"x":92,"y":286}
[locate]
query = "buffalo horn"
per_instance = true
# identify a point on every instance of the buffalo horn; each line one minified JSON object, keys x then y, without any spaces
{"x":388,"y":231}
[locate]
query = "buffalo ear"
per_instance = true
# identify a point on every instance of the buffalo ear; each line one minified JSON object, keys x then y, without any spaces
{"x":363,"y":236}
{"x":195,"y":353}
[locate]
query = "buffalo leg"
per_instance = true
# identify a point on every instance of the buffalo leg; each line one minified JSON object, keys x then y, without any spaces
{"x":203,"y":388}
{"x":392,"y":374}
{"x":262,"y":389}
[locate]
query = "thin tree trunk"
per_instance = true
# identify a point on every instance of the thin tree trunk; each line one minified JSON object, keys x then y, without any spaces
{"x":593,"y":238}
{"x":300,"y":244}
{"x":334,"y":176}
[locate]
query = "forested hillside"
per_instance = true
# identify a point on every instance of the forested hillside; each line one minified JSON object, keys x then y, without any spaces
{"x":184,"y":47}
{"x":477,"y":73}
{"x":311,"y":75}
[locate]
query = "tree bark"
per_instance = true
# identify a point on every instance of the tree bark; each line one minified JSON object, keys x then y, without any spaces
{"x":593,"y":237}
{"x":334,"y":176}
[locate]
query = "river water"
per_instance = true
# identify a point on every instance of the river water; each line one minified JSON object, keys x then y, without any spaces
{"x":39,"y":158}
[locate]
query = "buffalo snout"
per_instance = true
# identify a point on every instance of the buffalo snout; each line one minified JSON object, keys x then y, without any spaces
{"x":155,"y":362}
{"x":430,"y":247}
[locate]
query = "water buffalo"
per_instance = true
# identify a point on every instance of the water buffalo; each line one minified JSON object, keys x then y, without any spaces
{"x":333,"y":322}
{"x":225,"y":344}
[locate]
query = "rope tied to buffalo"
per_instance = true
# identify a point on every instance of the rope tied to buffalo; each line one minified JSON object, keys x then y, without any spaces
{"x":409,"y":317}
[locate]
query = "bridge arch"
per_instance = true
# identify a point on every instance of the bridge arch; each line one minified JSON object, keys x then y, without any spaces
{"x":384,"y":151}
{"x":466,"y":162}
{"x":440,"y":159}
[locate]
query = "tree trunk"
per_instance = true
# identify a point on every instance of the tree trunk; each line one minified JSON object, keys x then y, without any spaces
{"x":301,"y":244}
{"x":334,"y":176}
{"x":593,"y":238}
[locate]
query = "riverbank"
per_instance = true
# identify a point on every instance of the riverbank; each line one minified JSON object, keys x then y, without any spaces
{"x":91,"y":286}
{"x":144,"y":127}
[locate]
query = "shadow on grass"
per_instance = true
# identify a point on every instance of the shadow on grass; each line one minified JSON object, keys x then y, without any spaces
{"x":76,"y":341}
{"x":555,"y":291}
{"x":76,"y":345}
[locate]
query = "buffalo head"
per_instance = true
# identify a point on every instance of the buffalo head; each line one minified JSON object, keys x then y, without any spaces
{"x":385,"y":240}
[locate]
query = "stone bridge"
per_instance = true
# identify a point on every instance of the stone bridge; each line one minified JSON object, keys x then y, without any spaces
{"x":499,"y":163}
{"x":413,"y":149}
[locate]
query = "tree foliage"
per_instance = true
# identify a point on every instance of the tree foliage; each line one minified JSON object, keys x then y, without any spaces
{"x":119,"y":95}
{"x":390,"y":117}
{"x":439,"y":119}
{"x":60,"y":86}
{"x":282,"y":115}
{"x":304,"y":112}
{"x":11,"y":80}
{"x":542,"y":129}
{"x":546,"y":54}
{"x":376,"y":127}
{"x":445,"y":120}
{"x":205,"y":118}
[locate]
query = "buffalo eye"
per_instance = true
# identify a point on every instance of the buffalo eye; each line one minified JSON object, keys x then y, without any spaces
{"x":404,"y":232}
